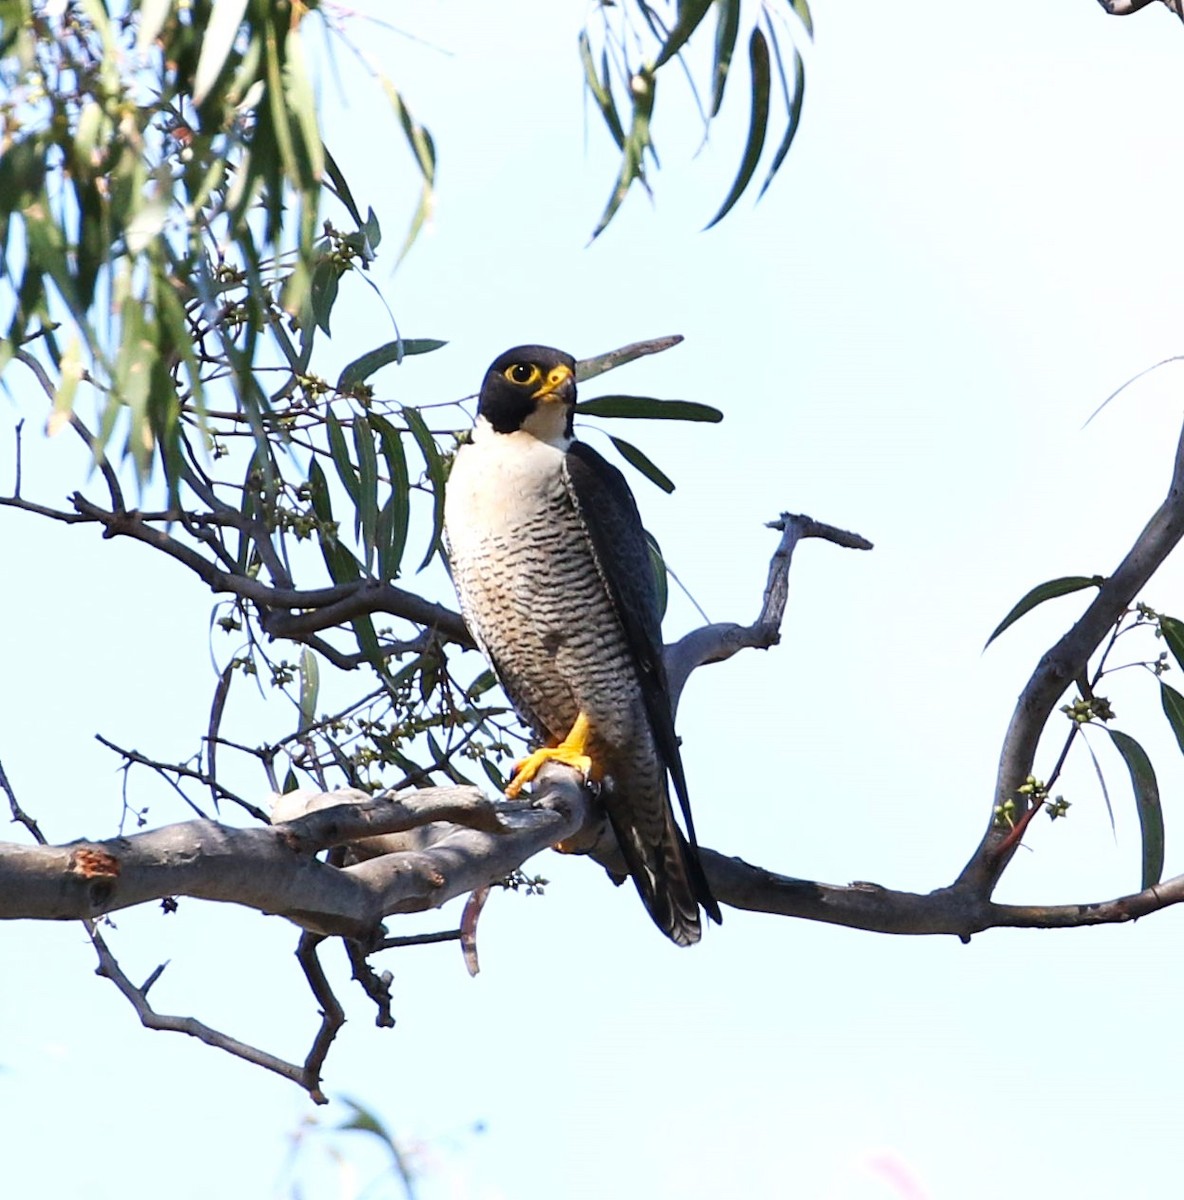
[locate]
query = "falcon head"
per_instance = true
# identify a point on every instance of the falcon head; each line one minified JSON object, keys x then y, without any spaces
{"x":532,"y":388}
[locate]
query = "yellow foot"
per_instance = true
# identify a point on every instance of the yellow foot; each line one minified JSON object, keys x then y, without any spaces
{"x":572,"y":752}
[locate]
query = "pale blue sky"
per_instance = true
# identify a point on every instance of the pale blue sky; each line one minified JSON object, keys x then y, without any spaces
{"x":972,"y":243}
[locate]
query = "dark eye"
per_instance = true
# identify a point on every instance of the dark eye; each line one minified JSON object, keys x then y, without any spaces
{"x":523,"y":373}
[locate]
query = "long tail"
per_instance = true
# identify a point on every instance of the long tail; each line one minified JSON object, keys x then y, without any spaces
{"x":665,"y":869}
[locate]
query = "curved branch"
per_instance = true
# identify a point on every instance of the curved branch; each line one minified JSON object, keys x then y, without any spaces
{"x":322,"y":608}
{"x":1063,"y":663}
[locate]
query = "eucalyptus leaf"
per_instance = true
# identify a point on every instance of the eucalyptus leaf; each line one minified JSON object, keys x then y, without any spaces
{"x":310,"y":686}
{"x":366,"y":364}
{"x":216,"y":44}
{"x":1146,"y":789}
{"x":641,"y":462}
{"x":1173,"y":709}
{"x":434,"y":464}
{"x":1042,"y":592}
{"x":647,"y":408}
{"x":758,"y":57}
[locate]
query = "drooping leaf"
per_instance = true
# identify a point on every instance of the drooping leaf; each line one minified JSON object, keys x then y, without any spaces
{"x":340,"y":563}
{"x":366,"y":364}
{"x":1173,"y":709}
{"x":1173,"y":633}
{"x":326,"y":278}
{"x":153,"y":14}
{"x":658,"y":562}
{"x":690,"y":14}
{"x":301,"y":100}
{"x":1101,"y":783}
{"x":393,"y":538}
{"x":726,"y":32}
{"x":434,"y":463}
{"x":637,"y":142}
{"x":310,"y":686}
{"x":340,"y":455}
{"x":340,"y":187}
{"x":1042,"y":592}
{"x":641,"y":462}
{"x":423,"y":148}
{"x":647,"y":408}
{"x":216,"y":43}
{"x":367,"y":515}
{"x":601,"y":90}
{"x":758,"y":58}
{"x":793,"y":108}
{"x":1146,"y":789}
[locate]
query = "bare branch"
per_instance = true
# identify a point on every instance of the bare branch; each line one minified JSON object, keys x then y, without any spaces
{"x":324,"y":608}
{"x":18,"y":813}
{"x":109,"y":968}
{"x":715,"y":643}
{"x":332,"y":1015}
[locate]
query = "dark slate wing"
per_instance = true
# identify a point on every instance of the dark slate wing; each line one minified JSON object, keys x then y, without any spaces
{"x":609,"y":514}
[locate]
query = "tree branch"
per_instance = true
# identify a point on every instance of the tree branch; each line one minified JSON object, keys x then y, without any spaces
{"x":715,"y":643}
{"x":1062,"y":664}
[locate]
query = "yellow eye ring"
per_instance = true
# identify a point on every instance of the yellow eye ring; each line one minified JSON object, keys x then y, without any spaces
{"x":523,"y":374}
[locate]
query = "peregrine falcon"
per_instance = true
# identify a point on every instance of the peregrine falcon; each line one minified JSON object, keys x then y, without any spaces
{"x":556,"y":584}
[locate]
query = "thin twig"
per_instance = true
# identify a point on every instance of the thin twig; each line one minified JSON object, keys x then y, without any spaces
{"x":18,"y":813}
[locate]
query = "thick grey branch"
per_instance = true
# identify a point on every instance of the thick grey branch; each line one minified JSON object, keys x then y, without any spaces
{"x":273,"y":869}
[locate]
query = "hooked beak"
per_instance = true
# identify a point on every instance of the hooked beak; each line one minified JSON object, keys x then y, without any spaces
{"x":559,"y":383}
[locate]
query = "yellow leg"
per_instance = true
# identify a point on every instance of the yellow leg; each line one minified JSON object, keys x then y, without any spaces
{"x":572,"y":752}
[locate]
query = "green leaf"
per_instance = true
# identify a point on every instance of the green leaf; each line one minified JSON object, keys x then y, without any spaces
{"x":341,"y":460}
{"x":434,"y":463}
{"x":1146,"y":789}
{"x":601,"y":89}
{"x":758,"y":57}
{"x":658,"y":562}
{"x":424,"y":149}
{"x":299,"y":95}
{"x":340,"y":563}
{"x":803,"y":10}
{"x":153,"y":14}
{"x":326,"y":277}
{"x":1042,"y":592}
{"x":646,"y":408}
{"x":397,"y":510}
{"x":793,"y":106}
{"x":1173,"y":634}
{"x":589,"y":368}
{"x":310,"y":686}
{"x":636,"y":459}
{"x":690,"y":15}
{"x":367,"y":515}
{"x":366,"y":364}
{"x":726,"y":33}
{"x":216,"y":43}
{"x":340,"y":187}
{"x":1173,"y":709}
{"x":1101,"y":782}
{"x":644,"y":88}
